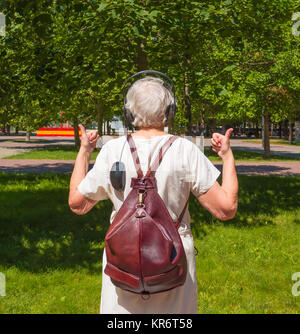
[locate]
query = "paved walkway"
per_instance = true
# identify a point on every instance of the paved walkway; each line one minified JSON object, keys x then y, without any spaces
{"x":36,"y":166}
{"x":66,"y":166}
{"x":289,"y":168}
{"x":13,"y":145}
{"x":284,"y":150}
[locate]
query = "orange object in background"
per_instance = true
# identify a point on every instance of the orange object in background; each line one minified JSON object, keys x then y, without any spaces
{"x":56,"y":132}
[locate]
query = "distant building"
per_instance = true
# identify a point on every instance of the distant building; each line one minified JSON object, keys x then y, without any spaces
{"x":57,"y":129}
{"x":56,"y":132}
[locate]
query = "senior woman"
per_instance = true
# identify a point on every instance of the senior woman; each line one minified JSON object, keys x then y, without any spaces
{"x":184,"y":169}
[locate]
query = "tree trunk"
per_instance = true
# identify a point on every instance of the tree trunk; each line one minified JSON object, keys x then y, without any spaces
{"x":213,"y":125}
{"x":187,"y":105}
{"x":76,"y":132}
{"x":214,"y":121}
{"x":285,"y":129}
{"x":266,"y":141}
{"x":272,"y":128}
{"x":290,"y":132}
{"x":297,"y":132}
{"x":280,"y":130}
{"x":202,"y":119}
{"x":142,"y":63}
{"x":27,"y":134}
{"x":99,"y":110}
{"x":187,"y":98}
{"x":108,"y":128}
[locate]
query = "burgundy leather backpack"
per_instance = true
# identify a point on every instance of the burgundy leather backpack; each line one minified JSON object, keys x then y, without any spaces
{"x":144,"y":250}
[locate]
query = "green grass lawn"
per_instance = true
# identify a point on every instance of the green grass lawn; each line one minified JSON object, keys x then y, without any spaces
{"x":241,"y":155}
{"x":273,"y":141}
{"x":70,"y":152}
{"x":52,"y":258}
{"x":54,"y":152}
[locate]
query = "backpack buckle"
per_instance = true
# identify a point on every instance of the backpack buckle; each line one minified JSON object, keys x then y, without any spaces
{"x":140,"y":212}
{"x":141,"y":197}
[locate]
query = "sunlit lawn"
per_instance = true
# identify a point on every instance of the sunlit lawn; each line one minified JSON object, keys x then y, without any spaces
{"x":272,"y":141}
{"x":241,"y":155}
{"x":54,"y":152}
{"x":52,"y":258}
{"x":70,"y":152}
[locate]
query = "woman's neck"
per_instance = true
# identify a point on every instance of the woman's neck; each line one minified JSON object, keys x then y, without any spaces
{"x":149,"y":132}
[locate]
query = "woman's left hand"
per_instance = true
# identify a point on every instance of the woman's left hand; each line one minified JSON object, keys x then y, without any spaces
{"x":221,"y":143}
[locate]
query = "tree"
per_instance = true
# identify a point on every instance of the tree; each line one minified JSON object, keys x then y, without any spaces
{"x":229,"y":60}
{"x":25,"y":52}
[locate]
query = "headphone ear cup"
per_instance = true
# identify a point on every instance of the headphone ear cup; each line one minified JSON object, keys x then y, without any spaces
{"x":170,"y":112}
{"x":128,"y":116}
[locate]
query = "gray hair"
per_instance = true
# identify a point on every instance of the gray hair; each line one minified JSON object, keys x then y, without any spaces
{"x":147,"y":100}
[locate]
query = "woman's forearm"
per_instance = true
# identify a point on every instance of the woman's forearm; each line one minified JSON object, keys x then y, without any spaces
{"x":81,"y":167}
{"x":80,"y":170}
{"x":222,"y":200}
{"x":78,"y":203}
{"x":229,"y":178}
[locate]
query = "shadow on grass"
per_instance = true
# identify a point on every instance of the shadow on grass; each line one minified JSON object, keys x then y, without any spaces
{"x":51,"y":146}
{"x":54,"y":148}
{"x":261,"y":198}
{"x":39,"y":168}
{"x":254,"y":154}
{"x":261,"y":169}
{"x":38,"y":232}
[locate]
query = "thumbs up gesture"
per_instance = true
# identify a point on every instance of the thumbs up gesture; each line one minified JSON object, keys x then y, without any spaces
{"x":221,"y":143}
{"x":88,"y":140}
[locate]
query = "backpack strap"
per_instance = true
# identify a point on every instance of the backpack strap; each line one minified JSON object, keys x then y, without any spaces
{"x":135,"y":156}
{"x":154,"y":166}
{"x":157,"y":161}
{"x":161,"y":153}
{"x":182,"y":214}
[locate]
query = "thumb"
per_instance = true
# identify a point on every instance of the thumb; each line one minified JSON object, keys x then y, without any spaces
{"x":82,"y":129}
{"x":228,"y":133}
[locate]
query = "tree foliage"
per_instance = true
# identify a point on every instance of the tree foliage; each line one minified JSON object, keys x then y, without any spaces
{"x":230,"y":60}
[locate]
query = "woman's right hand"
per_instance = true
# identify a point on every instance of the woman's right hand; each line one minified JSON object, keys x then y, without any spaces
{"x":88,"y":140}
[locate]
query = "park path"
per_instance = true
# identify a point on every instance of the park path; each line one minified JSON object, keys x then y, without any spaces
{"x":66,"y":166}
{"x":13,"y":145}
{"x":276,"y":149}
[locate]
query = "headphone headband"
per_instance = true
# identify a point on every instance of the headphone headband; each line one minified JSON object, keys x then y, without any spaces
{"x":167,"y":82}
{"x":172,"y":86}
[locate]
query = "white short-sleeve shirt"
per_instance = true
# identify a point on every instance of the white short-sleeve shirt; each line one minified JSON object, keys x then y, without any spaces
{"x":184,"y":169}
